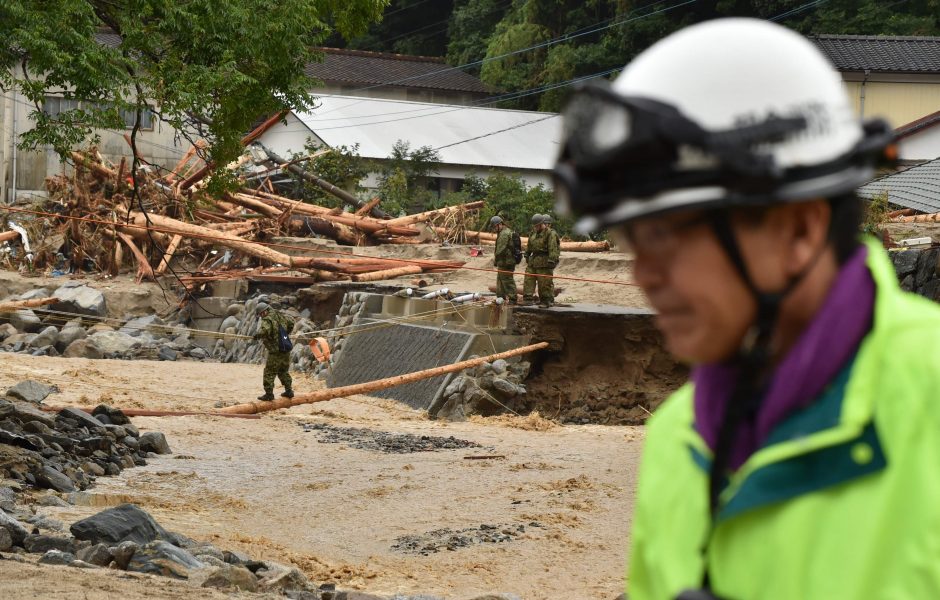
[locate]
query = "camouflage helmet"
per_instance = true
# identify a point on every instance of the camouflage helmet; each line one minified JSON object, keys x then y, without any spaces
{"x":546,"y":219}
{"x":496,"y":220}
{"x":537,"y":218}
{"x":262,"y":307}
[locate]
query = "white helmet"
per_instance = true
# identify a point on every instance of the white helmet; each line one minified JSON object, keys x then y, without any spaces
{"x":724,"y":113}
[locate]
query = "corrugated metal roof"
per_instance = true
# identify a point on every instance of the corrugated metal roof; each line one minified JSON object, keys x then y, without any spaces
{"x":876,"y":53}
{"x":462,"y":135}
{"x":917,"y":187}
{"x":358,"y":67}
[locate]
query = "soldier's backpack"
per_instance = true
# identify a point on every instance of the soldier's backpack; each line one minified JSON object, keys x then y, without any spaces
{"x":516,"y":247}
{"x":283,"y":339}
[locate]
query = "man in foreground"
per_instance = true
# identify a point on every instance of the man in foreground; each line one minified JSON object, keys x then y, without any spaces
{"x":800,"y":460}
{"x":278,"y":361}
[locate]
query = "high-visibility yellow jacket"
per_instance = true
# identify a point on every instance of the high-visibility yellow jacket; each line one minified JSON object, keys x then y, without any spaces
{"x":841,"y":503}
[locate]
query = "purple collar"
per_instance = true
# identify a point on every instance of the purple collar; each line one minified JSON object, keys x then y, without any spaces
{"x":822,"y":350}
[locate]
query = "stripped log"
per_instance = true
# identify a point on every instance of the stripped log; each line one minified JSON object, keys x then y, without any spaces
{"x":365,"y":224}
{"x":168,"y":255}
{"x":21,"y":304}
{"x":222,"y":238}
{"x":9,"y":236}
{"x":440,"y":212}
{"x":367,"y":207}
{"x":374,"y":386}
{"x":386,"y":274}
{"x":144,"y":270}
{"x":97,"y":169}
{"x":928,"y":218}
{"x":335,"y":231}
{"x":254,"y":204}
{"x":904,"y":212}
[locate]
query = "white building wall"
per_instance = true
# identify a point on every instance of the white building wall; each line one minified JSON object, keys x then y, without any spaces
{"x":921,"y":146}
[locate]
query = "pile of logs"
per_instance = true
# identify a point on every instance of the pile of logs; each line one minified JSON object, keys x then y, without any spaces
{"x":104,"y":218}
{"x":907,"y":215}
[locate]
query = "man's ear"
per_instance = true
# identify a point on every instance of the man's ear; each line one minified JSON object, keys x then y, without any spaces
{"x":806,"y":226}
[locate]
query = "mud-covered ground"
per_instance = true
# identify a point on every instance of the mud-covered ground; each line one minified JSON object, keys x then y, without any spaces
{"x":540,"y":510}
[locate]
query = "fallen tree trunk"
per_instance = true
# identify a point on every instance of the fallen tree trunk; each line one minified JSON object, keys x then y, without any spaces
{"x":216,"y":237}
{"x":144,"y":269}
{"x":374,"y":386}
{"x":424,"y":216}
{"x":168,"y":255}
{"x":20,"y":304}
{"x":928,"y":218}
{"x":367,"y":207}
{"x":254,"y":204}
{"x":9,"y":236}
{"x":366,"y":224}
{"x":386,"y":274}
{"x":335,"y":231}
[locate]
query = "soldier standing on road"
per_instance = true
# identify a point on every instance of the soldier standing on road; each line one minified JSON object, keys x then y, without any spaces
{"x":504,"y":260}
{"x":278,"y":362}
{"x":544,"y":250}
{"x":529,"y":283}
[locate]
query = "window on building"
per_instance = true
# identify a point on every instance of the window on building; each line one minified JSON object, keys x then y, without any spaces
{"x":55,"y":105}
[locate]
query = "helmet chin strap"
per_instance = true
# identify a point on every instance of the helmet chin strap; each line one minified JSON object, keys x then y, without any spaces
{"x":754,"y":358}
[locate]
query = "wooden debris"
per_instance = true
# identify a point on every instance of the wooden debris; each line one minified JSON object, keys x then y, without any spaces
{"x":374,"y":386}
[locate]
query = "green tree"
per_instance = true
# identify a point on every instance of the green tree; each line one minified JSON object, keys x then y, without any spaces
{"x":208,"y":68}
{"x":404,"y":178}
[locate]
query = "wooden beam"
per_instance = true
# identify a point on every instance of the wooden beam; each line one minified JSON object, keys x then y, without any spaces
{"x":374,"y":386}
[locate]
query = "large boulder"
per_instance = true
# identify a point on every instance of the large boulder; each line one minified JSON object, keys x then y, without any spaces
{"x":70,"y":333}
{"x":154,"y":441}
{"x":25,"y":320}
{"x":30,"y":391}
{"x":80,"y":299}
{"x":16,"y":529}
{"x":135,"y":327}
{"x":83,"y":348}
{"x":162,"y":558}
{"x":113,"y":342}
{"x":34,"y":294}
{"x":6,"y":330}
{"x":119,"y":524}
{"x":232,"y":577}
{"x":55,"y":480}
{"x":47,"y":337}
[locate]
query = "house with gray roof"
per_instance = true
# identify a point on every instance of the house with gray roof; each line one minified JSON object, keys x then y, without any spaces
{"x":917,"y":187}
{"x":895,"y":77}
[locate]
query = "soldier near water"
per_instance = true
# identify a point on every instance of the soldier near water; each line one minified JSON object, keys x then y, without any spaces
{"x":504,"y":260}
{"x":542,"y":254}
{"x":278,"y":362}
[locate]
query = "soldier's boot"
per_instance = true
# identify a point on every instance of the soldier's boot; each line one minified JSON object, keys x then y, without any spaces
{"x":267,"y":396}
{"x":528,"y":300}
{"x":288,"y":393}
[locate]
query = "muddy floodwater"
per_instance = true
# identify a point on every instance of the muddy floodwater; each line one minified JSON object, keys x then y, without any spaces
{"x":364,"y":493}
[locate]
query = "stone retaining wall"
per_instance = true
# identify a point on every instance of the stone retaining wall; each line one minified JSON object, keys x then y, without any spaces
{"x":919,"y":271}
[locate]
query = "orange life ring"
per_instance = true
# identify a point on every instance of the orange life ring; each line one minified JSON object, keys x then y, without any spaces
{"x":320,"y":348}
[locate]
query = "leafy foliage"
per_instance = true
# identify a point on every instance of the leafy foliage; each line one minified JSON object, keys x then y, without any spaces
{"x":404,"y":177}
{"x":579,"y":38}
{"x":208,"y":68}
{"x":342,"y":166}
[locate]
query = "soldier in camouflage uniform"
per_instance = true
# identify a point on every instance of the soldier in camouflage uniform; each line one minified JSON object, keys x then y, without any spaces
{"x":278,"y":363}
{"x":529,"y":283}
{"x":543,"y":252}
{"x":504,"y":260}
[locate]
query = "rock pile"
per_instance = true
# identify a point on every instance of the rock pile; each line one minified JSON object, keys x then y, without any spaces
{"x":450,"y":539}
{"x":66,"y":451}
{"x":129,"y":539}
{"x":919,"y":271}
{"x":383,"y":441}
{"x":486,"y":390}
{"x":76,"y":326}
